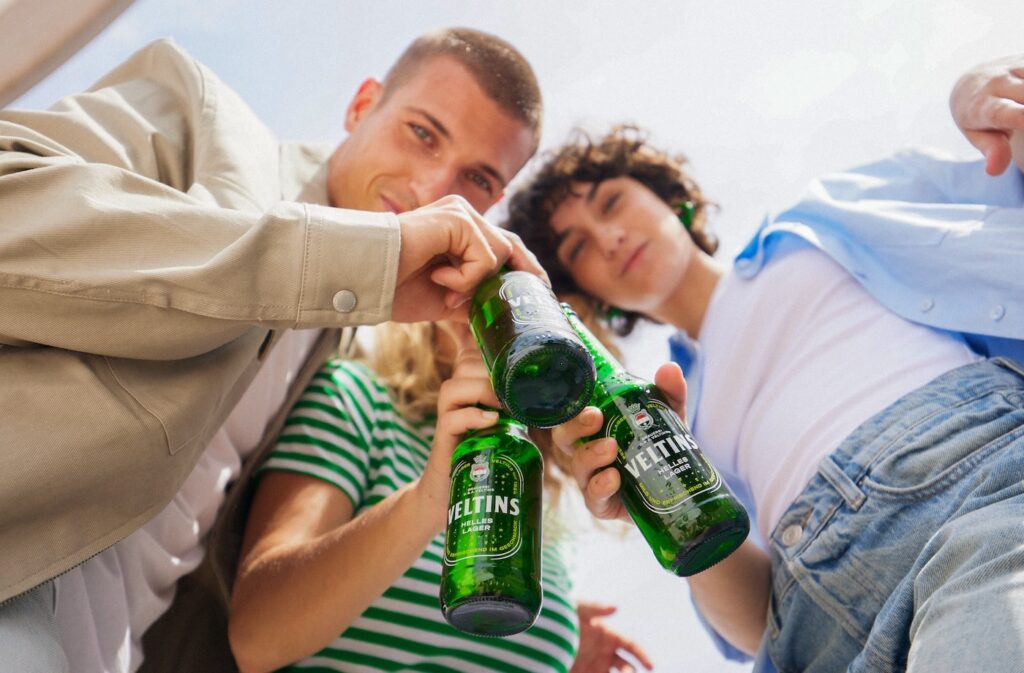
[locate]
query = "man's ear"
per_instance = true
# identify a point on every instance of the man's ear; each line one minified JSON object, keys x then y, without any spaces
{"x":366,"y":99}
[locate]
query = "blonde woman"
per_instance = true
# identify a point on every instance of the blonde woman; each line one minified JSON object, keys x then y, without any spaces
{"x":341,"y":562}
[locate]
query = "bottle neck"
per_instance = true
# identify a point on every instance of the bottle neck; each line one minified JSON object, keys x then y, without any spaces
{"x":604,"y":362}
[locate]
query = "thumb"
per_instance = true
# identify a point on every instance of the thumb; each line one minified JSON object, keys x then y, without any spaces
{"x":996,"y":148}
{"x":669,"y":380}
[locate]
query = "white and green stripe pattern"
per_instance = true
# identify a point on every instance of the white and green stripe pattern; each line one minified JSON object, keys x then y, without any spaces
{"x":346,"y":431}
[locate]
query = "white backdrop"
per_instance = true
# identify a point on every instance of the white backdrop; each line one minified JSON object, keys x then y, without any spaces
{"x":761,"y":97}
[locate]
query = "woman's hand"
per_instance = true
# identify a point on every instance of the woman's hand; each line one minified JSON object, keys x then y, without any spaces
{"x":470,"y":385}
{"x":591,"y":462}
{"x":601,"y":647}
{"x":987,"y":103}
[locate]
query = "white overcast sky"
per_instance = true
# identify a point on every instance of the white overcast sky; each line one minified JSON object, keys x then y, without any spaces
{"x":762,"y":96}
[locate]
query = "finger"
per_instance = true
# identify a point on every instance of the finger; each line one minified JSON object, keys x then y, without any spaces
{"x":1006,"y":114}
{"x":470,"y":366}
{"x":470,"y":362}
{"x":522,"y":258}
{"x":996,"y":148}
{"x":622,"y":666}
{"x":998,"y":159}
{"x":588,"y":610}
{"x":502,"y":242}
{"x":455,"y":301}
{"x":457,"y":393}
{"x":473,"y":370}
{"x":600,"y":494}
{"x":486,"y":249}
{"x":586,"y":423}
{"x":456,"y":423}
{"x":591,"y":458}
{"x":471,"y":253}
{"x":669,"y":380}
{"x":634,"y":649}
{"x":455,"y":307}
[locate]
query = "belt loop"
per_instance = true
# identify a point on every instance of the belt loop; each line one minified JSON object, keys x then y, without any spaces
{"x":834,"y":475}
{"x":1010,"y":364}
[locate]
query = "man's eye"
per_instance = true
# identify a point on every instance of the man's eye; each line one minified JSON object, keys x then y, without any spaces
{"x":422,"y":133}
{"x":480,"y":181}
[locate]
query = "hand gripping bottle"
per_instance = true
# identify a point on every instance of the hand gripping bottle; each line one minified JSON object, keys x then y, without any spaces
{"x":490,"y":576}
{"x":687,"y":514}
{"x":540,"y":370}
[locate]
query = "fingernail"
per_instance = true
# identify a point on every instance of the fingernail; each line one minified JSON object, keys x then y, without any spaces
{"x":491,"y":416}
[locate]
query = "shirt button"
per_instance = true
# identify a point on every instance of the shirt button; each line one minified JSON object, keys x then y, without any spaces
{"x":997,"y":312}
{"x":344,"y":301}
{"x":792,"y":535}
{"x":927,"y":305}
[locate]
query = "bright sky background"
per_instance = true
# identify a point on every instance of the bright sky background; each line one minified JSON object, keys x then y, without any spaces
{"x":762,"y":96}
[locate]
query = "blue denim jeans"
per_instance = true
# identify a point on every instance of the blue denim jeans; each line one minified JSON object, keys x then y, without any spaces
{"x":906,"y":549}
{"x":28,"y":635}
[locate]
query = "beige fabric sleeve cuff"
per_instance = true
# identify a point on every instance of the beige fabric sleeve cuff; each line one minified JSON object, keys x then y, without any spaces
{"x":350,"y":267}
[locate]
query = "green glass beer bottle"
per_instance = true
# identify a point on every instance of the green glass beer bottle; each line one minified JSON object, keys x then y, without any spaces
{"x":683,"y":508}
{"x":490,"y":576}
{"x":540,"y":371}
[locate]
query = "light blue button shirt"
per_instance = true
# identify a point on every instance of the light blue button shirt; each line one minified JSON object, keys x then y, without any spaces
{"x":934,"y":239}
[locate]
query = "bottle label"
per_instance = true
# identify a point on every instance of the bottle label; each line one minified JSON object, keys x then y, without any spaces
{"x":658,"y":454}
{"x":484,"y":508}
{"x":529,"y":299}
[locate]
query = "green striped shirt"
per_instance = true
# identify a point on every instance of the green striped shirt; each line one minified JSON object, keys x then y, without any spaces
{"x":346,"y":431}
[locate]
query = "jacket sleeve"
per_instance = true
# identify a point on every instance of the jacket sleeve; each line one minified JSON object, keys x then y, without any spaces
{"x":129,"y":228}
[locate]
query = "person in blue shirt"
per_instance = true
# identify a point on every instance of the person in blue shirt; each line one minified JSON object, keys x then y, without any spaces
{"x":857,"y":375}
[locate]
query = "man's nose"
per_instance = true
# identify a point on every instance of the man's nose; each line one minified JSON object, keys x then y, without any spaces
{"x":430,"y":183}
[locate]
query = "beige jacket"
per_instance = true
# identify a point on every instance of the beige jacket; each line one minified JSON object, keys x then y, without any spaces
{"x":153,"y":236}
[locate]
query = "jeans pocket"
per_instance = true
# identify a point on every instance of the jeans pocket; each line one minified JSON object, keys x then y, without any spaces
{"x":942,"y":447}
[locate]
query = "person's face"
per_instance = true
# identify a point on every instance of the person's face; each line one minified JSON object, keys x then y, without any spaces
{"x":436,"y":133}
{"x":621,"y":243}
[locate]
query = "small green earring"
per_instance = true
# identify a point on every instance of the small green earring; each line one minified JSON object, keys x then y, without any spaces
{"x":612,"y":313}
{"x":686,"y":210}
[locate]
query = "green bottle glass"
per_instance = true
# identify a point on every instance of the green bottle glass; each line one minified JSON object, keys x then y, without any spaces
{"x":491,"y":574}
{"x":683,"y":508}
{"x":540,"y":371}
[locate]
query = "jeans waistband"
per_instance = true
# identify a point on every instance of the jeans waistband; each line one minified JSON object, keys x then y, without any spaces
{"x":860,"y":449}
{"x":840,"y":473}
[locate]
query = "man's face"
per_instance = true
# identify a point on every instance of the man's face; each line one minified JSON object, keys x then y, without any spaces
{"x":436,"y":133}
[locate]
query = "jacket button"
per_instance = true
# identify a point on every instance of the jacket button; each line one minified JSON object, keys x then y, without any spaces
{"x":344,"y":301}
{"x":792,"y":535}
{"x":997,"y":312}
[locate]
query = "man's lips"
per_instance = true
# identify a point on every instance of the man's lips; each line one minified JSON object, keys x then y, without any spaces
{"x":633,"y":259}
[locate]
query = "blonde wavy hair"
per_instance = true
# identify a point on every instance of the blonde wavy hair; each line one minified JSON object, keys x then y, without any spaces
{"x":407,"y":359}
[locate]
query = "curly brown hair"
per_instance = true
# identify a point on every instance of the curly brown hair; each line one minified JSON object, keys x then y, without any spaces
{"x":623,"y":152}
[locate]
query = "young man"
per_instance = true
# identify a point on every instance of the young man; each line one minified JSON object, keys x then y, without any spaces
{"x":159,"y":244}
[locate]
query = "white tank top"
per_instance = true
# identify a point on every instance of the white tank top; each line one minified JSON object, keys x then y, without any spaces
{"x":795,"y":359}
